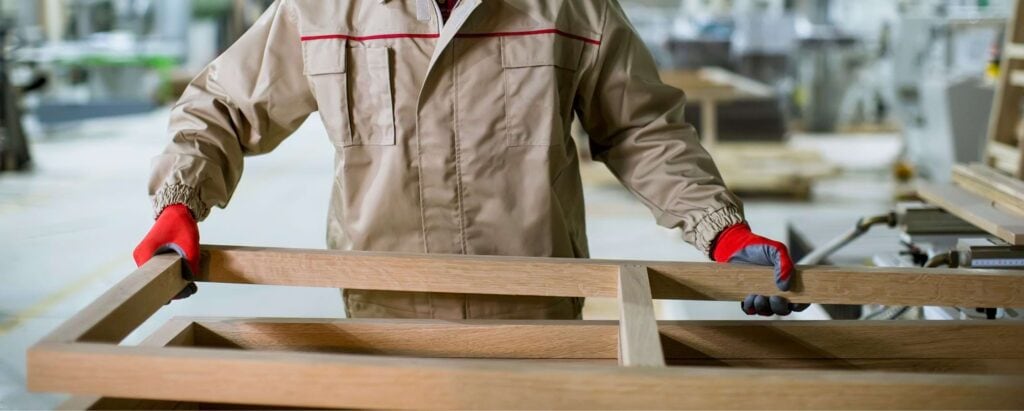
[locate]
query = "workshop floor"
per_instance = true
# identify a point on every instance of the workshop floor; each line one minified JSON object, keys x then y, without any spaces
{"x":67,"y":230}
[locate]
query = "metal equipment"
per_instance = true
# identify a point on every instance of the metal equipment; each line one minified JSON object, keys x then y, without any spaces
{"x":929,"y":237}
{"x":14,"y":146}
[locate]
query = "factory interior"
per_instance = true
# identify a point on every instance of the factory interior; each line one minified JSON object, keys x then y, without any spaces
{"x":882,"y":135}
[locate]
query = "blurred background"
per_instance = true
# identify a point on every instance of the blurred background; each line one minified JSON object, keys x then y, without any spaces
{"x":818,"y":112}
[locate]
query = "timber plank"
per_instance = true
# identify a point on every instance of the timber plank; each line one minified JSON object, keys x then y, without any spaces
{"x":1005,"y":191}
{"x":177,"y":333}
{"x":408,"y":272}
{"x":117,"y":312}
{"x":352,"y":381}
{"x":598,"y":278}
{"x":639,"y":342}
{"x":598,"y":339}
{"x":915,"y":365}
{"x":975,"y":210}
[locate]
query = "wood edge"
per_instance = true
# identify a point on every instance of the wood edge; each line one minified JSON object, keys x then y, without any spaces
{"x":162,"y":271}
{"x":929,"y":193}
{"x":178,"y":332}
{"x":669,"y":280}
{"x":971,"y":391}
{"x":639,"y":340}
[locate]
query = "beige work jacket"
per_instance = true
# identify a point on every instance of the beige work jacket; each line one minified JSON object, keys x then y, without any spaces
{"x":449,"y":137}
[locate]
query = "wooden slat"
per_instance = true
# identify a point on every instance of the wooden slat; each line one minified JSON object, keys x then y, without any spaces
{"x":639,"y":342}
{"x":124,"y":307}
{"x":915,"y":365}
{"x":408,"y":272}
{"x":1005,"y":191}
{"x":975,"y":210}
{"x":598,"y":278}
{"x":1017,"y":78}
{"x":422,"y":338}
{"x":1014,"y":51}
{"x":175,"y":333}
{"x":352,"y":381}
{"x":1004,"y":157}
{"x":598,"y":339}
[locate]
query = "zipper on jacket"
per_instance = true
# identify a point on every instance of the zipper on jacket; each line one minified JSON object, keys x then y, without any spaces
{"x":437,"y":15}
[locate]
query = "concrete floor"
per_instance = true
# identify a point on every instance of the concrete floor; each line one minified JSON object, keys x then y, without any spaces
{"x":69,"y":227}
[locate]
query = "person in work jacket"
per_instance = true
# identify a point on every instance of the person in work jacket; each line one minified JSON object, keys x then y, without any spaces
{"x":451,"y":129}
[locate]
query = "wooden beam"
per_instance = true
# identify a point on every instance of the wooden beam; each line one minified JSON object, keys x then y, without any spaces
{"x":117,"y":312}
{"x":418,"y":338}
{"x":408,"y":272}
{"x":598,"y":339}
{"x":353,"y":381}
{"x":975,"y":210}
{"x":639,"y":342}
{"x":598,"y":278}
{"x":914,"y":365}
{"x":175,"y":333}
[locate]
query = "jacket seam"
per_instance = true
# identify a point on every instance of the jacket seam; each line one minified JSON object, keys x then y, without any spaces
{"x":459,"y":189}
{"x":419,"y":180}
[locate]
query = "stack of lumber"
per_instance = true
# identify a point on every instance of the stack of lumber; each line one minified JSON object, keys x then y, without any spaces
{"x":1005,"y":192}
{"x":983,"y":196}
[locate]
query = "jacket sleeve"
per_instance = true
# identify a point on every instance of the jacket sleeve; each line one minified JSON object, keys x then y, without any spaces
{"x":636,"y":127}
{"x":244,"y":103}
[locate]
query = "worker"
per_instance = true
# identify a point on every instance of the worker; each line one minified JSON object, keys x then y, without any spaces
{"x":450,"y":125}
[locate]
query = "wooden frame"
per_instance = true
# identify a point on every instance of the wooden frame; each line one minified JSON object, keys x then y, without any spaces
{"x":337,"y":363}
{"x":1005,"y":148}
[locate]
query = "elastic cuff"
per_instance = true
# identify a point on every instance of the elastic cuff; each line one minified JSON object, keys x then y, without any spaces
{"x":180,"y":194}
{"x":707,"y":229}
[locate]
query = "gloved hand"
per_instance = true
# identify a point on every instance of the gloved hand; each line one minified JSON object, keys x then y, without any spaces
{"x":175,"y":231}
{"x":737,"y":244}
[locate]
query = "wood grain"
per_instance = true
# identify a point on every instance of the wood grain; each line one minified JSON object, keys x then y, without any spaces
{"x":914,"y":365}
{"x":975,"y":210}
{"x":117,"y":312}
{"x":598,"y":339}
{"x":408,"y":272}
{"x":175,"y":333}
{"x":353,"y":381}
{"x":639,"y":342}
{"x":598,"y":278}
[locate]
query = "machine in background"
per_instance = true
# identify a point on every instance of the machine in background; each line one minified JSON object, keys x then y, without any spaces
{"x":14,"y":146}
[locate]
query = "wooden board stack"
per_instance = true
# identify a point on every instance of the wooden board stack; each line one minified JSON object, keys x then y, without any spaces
{"x":984,"y":197}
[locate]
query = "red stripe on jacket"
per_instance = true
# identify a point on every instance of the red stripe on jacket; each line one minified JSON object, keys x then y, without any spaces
{"x":461,"y":35}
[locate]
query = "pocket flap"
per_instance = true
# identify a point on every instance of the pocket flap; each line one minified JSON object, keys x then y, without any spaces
{"x":323,"y":56}
{"x":540,"y":50}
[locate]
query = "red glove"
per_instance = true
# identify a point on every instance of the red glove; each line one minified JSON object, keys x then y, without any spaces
{"x":737,"y":244}
{"x":175,"y":231}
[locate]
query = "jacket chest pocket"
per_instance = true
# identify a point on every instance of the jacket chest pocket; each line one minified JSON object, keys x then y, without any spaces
{"x":353,"y":91}
{"x":540,"y":80}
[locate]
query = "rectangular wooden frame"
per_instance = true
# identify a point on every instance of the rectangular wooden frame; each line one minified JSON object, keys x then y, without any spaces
{"x":1005,"y":149}
{"x":333,"y":363}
